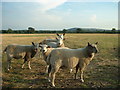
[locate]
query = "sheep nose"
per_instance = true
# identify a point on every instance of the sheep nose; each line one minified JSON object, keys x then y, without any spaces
{"x":97,"y":51}
{"x":58,"y":43}
{"x":35,"y":50}
{"x":43,"y":50}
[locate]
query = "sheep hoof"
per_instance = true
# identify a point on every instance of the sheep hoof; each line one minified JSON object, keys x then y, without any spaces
{"x":29,"y":67}
{"x":49,"y":80}
{"x":71,"y":70}
{"x":23,"y":66}
{"x":82,"y":80}
{"x":8,"y":69}
{"x":53,"y":85}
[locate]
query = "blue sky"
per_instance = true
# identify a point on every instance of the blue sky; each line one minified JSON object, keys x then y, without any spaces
{"x":21,"y":15}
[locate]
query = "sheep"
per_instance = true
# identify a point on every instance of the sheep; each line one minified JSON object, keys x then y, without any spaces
{"x":54,"y":40}
{"x":26,"y":52}
{"x":59,"y":43}
{"x":70,"y":58}
{"x":46,"y":50}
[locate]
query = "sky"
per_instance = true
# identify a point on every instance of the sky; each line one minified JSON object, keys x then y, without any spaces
{"x":59,"y":15}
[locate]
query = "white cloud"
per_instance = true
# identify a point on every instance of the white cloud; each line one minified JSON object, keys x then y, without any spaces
{"x":46,"y":4}
{"x":93,"y":18}
{"x":50,"y":4}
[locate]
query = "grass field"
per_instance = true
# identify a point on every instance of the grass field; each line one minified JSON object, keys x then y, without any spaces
{"x":101,"y":72}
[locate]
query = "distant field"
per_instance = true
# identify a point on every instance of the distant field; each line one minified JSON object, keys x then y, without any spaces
{"x":101,"y":72}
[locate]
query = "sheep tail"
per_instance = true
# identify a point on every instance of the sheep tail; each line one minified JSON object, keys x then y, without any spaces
{"x":5,"y":50}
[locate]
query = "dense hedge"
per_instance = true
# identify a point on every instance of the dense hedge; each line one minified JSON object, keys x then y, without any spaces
{"x":56,"y":31}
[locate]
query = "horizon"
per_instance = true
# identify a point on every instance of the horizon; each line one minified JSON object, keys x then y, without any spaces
{"x":64,"y":15}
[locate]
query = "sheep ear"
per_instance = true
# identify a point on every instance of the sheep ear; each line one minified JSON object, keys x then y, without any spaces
{"x":56,"y":38}
{"x":88,"y":44}
{"x":96,"y":43}
{"x":57,"y":34}
{"x":48,"y":46}
{"x":40,"y":44}
{"x":63,"y":34}
{"x":33,"y":44}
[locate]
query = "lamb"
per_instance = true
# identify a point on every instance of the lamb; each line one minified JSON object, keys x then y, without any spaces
{"x":70,"y":58}
{"x":54,"y":40}
{"x":46,"y":50}
{"x":26,"y":52}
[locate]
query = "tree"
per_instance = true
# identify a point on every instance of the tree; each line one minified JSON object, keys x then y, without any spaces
{"x":9,"y":30}
{"x":78,"y":30}
{"x":113,"y":29}
{"x":31,"y":30}
{"x":64,"y":30}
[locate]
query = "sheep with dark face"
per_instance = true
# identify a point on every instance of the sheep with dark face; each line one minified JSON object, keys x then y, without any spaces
{"x":70,"y":58}
{"x":26,"y":52}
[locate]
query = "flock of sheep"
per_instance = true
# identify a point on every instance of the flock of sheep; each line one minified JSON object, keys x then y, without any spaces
{"x":55,"y":55}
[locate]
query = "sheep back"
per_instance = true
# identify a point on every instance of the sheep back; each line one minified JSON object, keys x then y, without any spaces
{"x":19,"y":51}
{"x":64,"y":57}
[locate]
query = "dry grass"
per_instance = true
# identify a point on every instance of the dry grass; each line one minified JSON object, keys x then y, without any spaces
{"x":102,"y":71}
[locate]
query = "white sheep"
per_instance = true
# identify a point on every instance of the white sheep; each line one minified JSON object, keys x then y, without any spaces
{"x":26,"y":52}
{"x":54,"y":40}
{"x":46,"y":50}
{"x":59,"y":43}
{"x":70,"y":58}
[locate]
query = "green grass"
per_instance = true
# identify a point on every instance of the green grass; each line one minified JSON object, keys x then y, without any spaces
{"x":101,"y":72}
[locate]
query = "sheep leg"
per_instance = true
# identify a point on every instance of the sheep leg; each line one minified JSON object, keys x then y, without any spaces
{"x":77,"y":67}
{"x":24,"y":62}
{"x":81,"y":72}
{"x":81,"y":75}
{"x":47,"y":69}
{"x":82,"y":67}
{"x":9,"y":64}
{"x":53,"y":78}
{"x":29,"y":64}
{"x":49,"y":73}
{"x":53,"y":72}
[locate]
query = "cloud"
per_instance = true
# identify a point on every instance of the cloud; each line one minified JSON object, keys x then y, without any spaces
{"x":93,"y":18}
{"x":50,"y":4}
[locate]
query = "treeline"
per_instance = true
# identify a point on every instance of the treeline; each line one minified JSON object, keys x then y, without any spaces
{"x":79,"y":30}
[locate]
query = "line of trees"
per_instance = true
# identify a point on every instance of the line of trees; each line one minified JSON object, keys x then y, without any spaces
{"x":32,"y":30}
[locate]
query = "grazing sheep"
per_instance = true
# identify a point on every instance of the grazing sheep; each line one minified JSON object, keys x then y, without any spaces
{"x":70,"y":58}
{"x":26,"y":52}
{"x":54,"y":40}
{"x":46,"y":50}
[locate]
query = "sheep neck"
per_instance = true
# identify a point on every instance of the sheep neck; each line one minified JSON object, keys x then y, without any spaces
{"x":62,"y":45}
{"x":88,"y":54}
